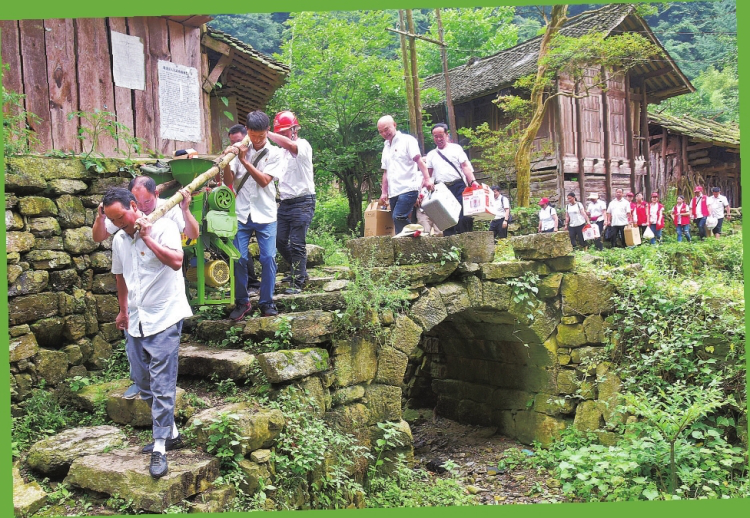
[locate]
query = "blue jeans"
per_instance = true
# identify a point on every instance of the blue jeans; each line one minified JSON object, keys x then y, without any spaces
{"x":657,"y":234}
{"x":401,"y":208}
{"x":153,"y":367}
{"x":701,"y":227}
{"x":265,"y":233}
{"x":294,"y":217}
{"x":683,"y":229}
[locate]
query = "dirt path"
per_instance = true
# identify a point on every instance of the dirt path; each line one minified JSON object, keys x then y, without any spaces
{"x":487,"y":464}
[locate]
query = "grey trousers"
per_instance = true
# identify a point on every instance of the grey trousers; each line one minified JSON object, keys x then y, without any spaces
{"x":153,"y":367}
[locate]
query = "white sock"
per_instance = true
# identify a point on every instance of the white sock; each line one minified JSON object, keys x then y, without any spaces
{"x":175,"y":433}
{"x":160,"y":445}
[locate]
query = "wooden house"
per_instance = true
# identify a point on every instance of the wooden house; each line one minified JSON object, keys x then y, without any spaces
{"x":598,"y":141}
{"x":685,"y":152}
{"x":158,"y":75}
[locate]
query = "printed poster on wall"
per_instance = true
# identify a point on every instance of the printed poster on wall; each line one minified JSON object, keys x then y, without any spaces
{"x":128,"y":62}
{"x":179,"y":102}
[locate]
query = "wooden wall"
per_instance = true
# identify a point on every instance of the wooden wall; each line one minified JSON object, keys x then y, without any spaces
{"x":62,"y":66}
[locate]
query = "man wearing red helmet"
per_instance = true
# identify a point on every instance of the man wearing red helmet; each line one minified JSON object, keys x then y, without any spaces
{"x":297,"y":193}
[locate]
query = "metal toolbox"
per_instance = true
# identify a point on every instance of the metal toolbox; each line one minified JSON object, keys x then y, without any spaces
{"x":442,"y":207}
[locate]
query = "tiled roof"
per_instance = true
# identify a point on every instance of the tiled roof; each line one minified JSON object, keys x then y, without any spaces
{"x":247,"y":49}
{"x":487,"y":75}
{"x":703,"y":130}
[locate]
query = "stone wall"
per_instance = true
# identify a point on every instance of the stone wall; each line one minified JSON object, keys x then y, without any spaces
{"x":61,"y":294}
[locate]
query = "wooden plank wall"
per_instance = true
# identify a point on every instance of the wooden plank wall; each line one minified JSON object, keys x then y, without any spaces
{"x":62,"y":66}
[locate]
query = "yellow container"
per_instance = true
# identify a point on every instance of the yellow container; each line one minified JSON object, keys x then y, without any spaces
{"x":215,"y":273}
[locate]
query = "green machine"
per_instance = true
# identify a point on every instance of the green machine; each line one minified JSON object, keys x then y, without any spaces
{"x":209,"y":276}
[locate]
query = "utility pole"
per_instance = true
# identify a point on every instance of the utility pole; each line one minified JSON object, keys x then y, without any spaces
{"x":407,"y":76}
{"x":415,"y":78}
{"x":448,"y":98}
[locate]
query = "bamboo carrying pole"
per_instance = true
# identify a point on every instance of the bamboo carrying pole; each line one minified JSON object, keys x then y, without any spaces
{"x":199,"y":180}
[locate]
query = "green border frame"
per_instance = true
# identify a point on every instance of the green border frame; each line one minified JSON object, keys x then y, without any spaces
{"x":90,"y":8}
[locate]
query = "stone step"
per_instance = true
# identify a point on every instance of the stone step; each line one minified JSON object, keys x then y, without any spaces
{"x":125,"y":473}
{"x":54,"y":455}
{"x":307,"y":327}
{"x":28,"y":498}
{"x":200,"y":360}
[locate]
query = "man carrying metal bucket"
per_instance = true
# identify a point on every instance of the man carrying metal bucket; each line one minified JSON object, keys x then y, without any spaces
{"x":297,"y":193}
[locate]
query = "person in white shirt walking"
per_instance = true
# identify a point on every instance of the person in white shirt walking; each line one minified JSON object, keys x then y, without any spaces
{"x":618,"y":216}
{"x":402,"y":164}
{"x":252,"y":173}
{"x":547,"y":217}
{"x":147,"y":264}
{"x":575,"y":219}
{"x":596,"y":209}
{"x":499,"y":225}
{"x":297,"y":193}
{"x":448,"y":164}
{"x":717,"y":205}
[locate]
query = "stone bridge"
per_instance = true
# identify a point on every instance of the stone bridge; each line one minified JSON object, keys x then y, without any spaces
{"x":480,"y":343}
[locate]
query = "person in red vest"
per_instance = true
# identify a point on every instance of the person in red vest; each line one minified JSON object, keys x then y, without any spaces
{"x":681,"y":217}
{"x":655,"y":217}
{"x":699,"y":211}
{"x":640,"y":217}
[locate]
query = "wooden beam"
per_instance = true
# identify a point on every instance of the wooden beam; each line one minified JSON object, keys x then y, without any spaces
{"x":219,"y":46}
{"x":413,"y":35}
{"x":657,"y":73}
{"x":697,"y":154}
{"x":699,"y":145}
{"x":213,"y":77}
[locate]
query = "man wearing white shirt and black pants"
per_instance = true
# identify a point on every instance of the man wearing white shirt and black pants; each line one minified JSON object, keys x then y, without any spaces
{"x":402,"y":164}
{"x":252,"y":173}
{"x":297,"y":193}
{"x":147,"y":265}
{"x":449,"y":164}
{"x":499,"y":225}
{"x":717,"y":203}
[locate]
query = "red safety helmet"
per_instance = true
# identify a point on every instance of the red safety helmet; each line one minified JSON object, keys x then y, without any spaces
{"x":284,"y":120}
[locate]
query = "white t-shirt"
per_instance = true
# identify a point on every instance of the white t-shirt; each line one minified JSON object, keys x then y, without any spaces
{"x":547,"y":217}
{"x":716,"y":205}
{"x":298,"y":178}
{"x":258,"y":203}
{"x":441,"y":170}
{"x":500,"y":204}
{"x":156,"y":292}
{"x":618,"y":211}
{"x":398,"y":161}
{"x":576,"y":218}
{"x":175,"y":214}
{"x":596,"y":209}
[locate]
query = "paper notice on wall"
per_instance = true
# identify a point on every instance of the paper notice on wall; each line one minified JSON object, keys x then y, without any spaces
{"x":128,"y":62}
{"x":179,"y":102}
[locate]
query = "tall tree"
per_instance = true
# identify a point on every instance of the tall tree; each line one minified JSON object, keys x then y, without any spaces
{"x":262,"y":31}
{"x":344,"y":76}
{"x":468,"y":32}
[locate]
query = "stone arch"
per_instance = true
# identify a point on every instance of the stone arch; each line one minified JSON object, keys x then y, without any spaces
{"x":479,"y":355}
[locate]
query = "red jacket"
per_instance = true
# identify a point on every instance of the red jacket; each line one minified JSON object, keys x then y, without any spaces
{"x":704,"y":207}
{"x":641,"y":213}
{"x":681,"y":220}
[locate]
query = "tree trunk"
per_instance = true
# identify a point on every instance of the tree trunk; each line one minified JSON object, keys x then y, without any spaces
{"x":353,"y":193}
{"x":523,"y":155}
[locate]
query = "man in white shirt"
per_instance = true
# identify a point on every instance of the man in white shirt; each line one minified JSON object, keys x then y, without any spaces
{"x":717,"y":203}
{"x":297,"y":193}
{"x":402,"y":164}
{"x":147,"y":264}
{"x":144,"y":190}
{"x":252,"y":173}
{"x":499,"y":225}
{"x":449,"y":164}
{"x":618,"y":216}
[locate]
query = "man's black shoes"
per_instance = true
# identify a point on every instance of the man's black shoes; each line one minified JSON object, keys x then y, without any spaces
{"x":159,"y":466}
{"x":170,"y":444}
{"x":240,"y":310}
{"x":268,"y":310}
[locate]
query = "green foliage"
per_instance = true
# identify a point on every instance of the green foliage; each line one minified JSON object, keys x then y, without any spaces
{"x":524,"y":290}
{"x":344,"y":77}
{"x":18,"y":137}
{"x":716,"y":97}
{"x":468,"y":32}
{"x":371,"y":292}
{"x":330,"y":215}
{"x":262,"y":31}
{"x":311,"y":454}
{"x":224,"y":436}
{"x":92,"y":126}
